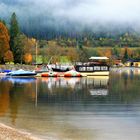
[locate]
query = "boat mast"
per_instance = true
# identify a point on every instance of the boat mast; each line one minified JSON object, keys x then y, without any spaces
{"x":36,"y":53}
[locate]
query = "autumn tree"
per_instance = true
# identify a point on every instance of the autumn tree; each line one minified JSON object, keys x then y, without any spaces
{"x":14,"y":31}
{"x":4,"y":41}
{"x":3,"y":21}
{"x":8,"y":56}
{"x":105,"y":52}
{"x":27,"y":58}
{"x":72,"y":55}
{"x":54,"y":53}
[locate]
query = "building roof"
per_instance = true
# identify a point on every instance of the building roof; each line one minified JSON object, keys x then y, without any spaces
{"x":133,"y":60}
{"x":99,"y":58}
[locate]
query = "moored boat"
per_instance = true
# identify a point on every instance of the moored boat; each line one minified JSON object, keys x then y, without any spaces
{"x":59,"y":67}
{"x":50,"y":74}
{"x":21,"y":73}
{"x":72,"y":73}
{"x":97,"y":66}
{"x":4,"y":72}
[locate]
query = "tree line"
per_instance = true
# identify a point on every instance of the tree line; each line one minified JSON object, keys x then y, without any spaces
{"x":17,"y":47}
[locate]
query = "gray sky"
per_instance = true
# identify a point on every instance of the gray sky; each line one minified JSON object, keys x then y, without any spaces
{"x":80,"y":12}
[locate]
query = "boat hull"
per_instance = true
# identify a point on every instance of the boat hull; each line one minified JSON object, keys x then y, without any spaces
{"x":96,"y":73}
{"x":21,"y":73}
{"x":27,"y":74}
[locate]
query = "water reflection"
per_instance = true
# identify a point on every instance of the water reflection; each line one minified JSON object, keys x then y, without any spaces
{"x":74,"y":108}
{"x":18,"y":80}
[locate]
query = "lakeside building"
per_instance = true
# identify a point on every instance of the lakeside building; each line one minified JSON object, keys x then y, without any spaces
{"x":133,"y":63}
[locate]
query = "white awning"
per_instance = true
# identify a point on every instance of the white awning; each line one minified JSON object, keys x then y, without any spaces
{"x":99,"y":58}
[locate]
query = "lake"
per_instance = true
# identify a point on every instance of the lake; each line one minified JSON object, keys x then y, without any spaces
{"x":88,"y":108}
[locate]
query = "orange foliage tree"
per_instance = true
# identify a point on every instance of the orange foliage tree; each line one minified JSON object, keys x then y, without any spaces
{"x":4,"y":41}
{"x":8,"y":56}
{"x":27,"y":58}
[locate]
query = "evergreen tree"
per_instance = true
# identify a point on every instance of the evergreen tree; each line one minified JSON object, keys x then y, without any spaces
{"x":19,"y":48}
{"x":125,"y":57}
{"x":14,"y":31}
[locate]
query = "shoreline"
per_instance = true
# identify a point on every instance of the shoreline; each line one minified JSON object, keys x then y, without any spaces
{"x":17,"y":67}
{"x":9,"y":133}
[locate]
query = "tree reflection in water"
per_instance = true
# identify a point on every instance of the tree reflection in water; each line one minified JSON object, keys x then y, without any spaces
{"x":67,"y":106}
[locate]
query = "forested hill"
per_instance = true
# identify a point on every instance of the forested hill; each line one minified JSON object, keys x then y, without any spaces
{"x":71,"y":31}
{"x":45,"y":19}
{"x":120,"y":37}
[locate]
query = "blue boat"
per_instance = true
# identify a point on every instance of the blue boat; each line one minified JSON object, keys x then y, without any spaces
{"x":4,"y":71}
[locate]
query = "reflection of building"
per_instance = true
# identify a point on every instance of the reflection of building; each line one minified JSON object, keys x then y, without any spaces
{"x":96,"y":85}
{"x":99,"y":92}
{"x":100,"y":86}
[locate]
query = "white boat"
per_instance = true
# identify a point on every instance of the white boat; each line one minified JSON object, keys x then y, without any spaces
{"x":21,"y":73}
{"x":72,"y":73}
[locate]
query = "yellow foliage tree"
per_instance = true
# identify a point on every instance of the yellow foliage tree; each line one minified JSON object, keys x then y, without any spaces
{"x":105,"y":52}
{"x":72,"y":55}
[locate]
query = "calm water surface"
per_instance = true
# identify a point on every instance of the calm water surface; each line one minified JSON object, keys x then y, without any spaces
{"x":95,"y":108}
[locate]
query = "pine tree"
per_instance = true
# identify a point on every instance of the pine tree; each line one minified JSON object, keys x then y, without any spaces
{"x":4,"y":41}
{"x":125,"y":57}
{"x":19,"y":48}
{"x":14,"y":31}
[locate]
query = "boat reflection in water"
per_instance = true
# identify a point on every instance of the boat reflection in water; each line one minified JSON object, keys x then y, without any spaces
{"x":93,"y":85}
{"x":93,"y":108}
{"x":61,"y":107}
{"x":19,"y":80}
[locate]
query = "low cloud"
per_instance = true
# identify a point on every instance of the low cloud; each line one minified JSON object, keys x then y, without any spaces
{"x":79,"y":13}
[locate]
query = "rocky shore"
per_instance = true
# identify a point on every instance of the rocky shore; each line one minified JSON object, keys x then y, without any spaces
{"x":17,"y":67}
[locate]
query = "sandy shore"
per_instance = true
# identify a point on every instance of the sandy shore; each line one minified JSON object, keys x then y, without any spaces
{"x":8,"y":133}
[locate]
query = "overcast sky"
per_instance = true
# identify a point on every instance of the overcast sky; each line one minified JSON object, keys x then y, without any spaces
{"x":84,"y":12}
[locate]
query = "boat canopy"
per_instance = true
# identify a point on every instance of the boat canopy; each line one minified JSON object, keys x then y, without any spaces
{"x":99,"y":58}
